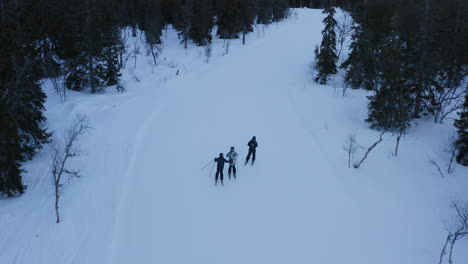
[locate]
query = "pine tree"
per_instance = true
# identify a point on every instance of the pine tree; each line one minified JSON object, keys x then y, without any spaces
{"x":362,"y":70}
{"x":373,"y":25}
{"x":152,"y":26}
{"x":391,"y":107}
{"x":326,"y":58}
{"x":247,"y":8}
{"x":229,"y":19}
{"x":279,"y":10}
{"x":462,"y":128}
{"x":202,"y":22}
{"x":91,"y":60}
{"x":264,"y":12}
{"x":183,"y":19}
{"x":21,"y":97}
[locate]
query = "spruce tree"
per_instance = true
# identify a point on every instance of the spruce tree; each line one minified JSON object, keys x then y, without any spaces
{"x":21,"y":97}
{"x":391,"y":107}
{"x":462,"y":128}
{"x":279,"y":10}
{"x":91,"y":60}
{"x":264,"y":12}
{"x":183,"y":19}
{"x":202,"y":22}
{"x":248,"y":10}
{"x":361,"y":67}
{"x":326,"y":57}
{"x":152,"y":26}
{"x":229,"y":19}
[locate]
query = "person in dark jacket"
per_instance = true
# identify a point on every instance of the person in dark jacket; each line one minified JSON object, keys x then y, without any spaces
{"x":220,"y":167}
{"x":252,"y":149}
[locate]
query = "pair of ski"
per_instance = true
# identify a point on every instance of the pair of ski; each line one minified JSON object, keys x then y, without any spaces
{"x":222,"y":183}
{"x":245,"y":164}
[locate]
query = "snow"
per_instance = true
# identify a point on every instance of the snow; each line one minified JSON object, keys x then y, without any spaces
{"x":143,"y":197}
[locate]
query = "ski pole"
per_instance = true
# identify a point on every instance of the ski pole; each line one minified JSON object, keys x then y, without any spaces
{"x":209,"y":175}
{"x":207,"y":164}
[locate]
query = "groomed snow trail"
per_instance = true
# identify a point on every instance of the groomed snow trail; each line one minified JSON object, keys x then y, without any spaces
{"x":293,"y":205}
{"x":144,"y":197}
{"x":173,"y":213}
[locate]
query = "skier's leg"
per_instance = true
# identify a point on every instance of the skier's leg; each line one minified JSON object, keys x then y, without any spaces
{"x":253,"y":156}
{"x":248,"y":156}
{"x":229,"y":171}
{"x":216,"y":177}
{"x":221,"y":174}
{"x":234,"y":170}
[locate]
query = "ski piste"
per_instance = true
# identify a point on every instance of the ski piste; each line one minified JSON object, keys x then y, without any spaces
{"x":143,"y":197}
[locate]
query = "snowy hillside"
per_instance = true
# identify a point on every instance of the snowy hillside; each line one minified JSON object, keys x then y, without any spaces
{"x":144,"y":198}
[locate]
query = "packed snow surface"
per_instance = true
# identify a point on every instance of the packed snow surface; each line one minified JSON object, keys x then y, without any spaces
{"x":143,"y":196}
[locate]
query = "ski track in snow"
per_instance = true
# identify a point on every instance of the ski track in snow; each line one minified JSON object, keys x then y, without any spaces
{"x":144,"y":198}
{"x":126,"y":184}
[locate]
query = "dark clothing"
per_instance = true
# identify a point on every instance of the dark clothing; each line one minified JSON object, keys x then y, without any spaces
{"x":251,"y":152}
{"x":252,"y":149}
{"x":233,"y":169}
{"x":252,"y":144}
{"x":220,"y":163}
{"x":220,"y":167}
{"x":219,"y":172}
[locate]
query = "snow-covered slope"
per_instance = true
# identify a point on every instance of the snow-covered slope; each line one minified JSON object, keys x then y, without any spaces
{"x":143,"y":197}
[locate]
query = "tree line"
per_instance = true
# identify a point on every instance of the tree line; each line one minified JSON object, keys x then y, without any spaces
{"x":413,"y":55}
{"x":79,"y":45}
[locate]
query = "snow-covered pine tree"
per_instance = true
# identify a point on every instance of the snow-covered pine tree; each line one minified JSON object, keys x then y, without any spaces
{"x":391,"y":107}
{"x":462,"y":128}
{"x":326,"y":58}
{"x":361,"y":69}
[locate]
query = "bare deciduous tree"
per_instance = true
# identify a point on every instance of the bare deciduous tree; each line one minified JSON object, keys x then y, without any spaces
{"x":123,"y":49}
{"x":350,"y":147}
{"x":135,"y":77}
{"x":452,"y":150}
{"x":357,"y":165}
{"x":154,"y":50}
{"x":435,"y":164}
{"x":133,"y":53}
{"x":344,"y":28}
{"x":208,"y":51}
{"x":345,"y":88}
{"x":226,"y":45}
{"x":457,"y":229}
{"x":59,"y":86}
{"x":399,"y":135}
{"x":62,"y":154}
{"x":445,"y":102}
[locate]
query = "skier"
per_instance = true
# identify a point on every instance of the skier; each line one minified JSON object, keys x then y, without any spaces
{"x":232,"y":155}
{"x":252,"y":148}
{"x":220,"y":167}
